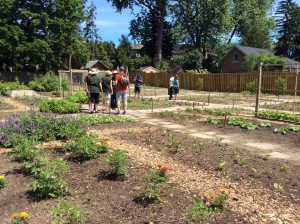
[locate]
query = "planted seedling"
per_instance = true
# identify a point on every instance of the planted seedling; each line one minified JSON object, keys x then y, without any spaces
{"x":240,"y":160}
{"x":278,"y":187}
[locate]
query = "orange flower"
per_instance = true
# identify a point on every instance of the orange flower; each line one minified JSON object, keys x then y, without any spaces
{"x":159,"y":165}
{"x":23,"y":215}
{"x":229,"y":191}
{"x":212,"y":196}
{"x":14,"y":216}
{"x":165,"y":169}
{"x":105,"y":142}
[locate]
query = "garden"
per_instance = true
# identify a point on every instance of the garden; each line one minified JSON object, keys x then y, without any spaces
{"x":182,"y":162}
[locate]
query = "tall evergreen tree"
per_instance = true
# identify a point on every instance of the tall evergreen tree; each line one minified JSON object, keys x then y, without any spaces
{"x":90,"y":30}
{"x":288,"y":24}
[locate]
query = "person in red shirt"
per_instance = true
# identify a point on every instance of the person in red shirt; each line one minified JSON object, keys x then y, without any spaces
{"x":121,"y":91}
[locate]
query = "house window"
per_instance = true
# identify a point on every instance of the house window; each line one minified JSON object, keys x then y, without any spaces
{"x":235,"y":57}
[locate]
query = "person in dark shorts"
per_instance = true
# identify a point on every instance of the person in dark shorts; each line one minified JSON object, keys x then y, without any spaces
{"x":106,"y":89}
{"x":113,"y":99}
{"x":138,"y":81}
{"x":93,"y":88}
{"x":176,"y":87}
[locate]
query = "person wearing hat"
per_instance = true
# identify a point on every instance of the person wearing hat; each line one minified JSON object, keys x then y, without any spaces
{"x":93,"y":89}
{"x":121,"y":91}
{"x":106,"y":89}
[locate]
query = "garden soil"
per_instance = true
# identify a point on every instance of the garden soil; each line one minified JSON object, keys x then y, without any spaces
{"x":192,"y":150}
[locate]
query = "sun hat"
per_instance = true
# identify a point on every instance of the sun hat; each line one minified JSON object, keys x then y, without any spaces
{"x":115,"y":72}
{"x":122,"y":68}
{"x":172,"y":79}
{"x":93,"y":71}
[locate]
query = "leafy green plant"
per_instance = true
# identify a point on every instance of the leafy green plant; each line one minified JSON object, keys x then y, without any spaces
{"x":240,"y":160}
{"x":2,"y":181}
{"x":78,"y":97}
{"x":265,"y":124}
{"x":86,"y":146}
{"x":176,"y":144}
{"x":221,"y":165}
{"x":22,"y":218}
{"x":265,"y":156}
{"x":294,"y":128}
{"x":281,"y":130}
{"x":252,"y":86}
{"x":118,"y":161}
{"x":212,"y":120}
{"x":59,"y":106}
{"x":26,"y":150}
{"x":48,"y":182}
{"x":45,"y":83}
{"x":279,"y":115}
{"x":6,"y":87}
{"x":200,"y":84}
{"x":255,"y":172}
{"x":198,"y":144}
{"x":199,"y":209}
{"x":281,"y":85}
{"x":218,"y":142}
{"x":278,"y":187}
{"x":92,"y":120}
{"x":285,"y":167}
{"x":66,"y":213}
{"x":153,"y":180}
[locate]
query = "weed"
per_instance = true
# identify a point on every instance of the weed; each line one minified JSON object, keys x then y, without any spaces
{"x":278,"y":187}
{"x":240,"y":160}
{"x":221,"y":165}
{"x":285,"y":167}
{"x":117,"y":161}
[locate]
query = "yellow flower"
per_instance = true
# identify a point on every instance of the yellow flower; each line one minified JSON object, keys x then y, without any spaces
{"x":23,"y":215}
{"x":1,"y":177}
{"x":105,"y":142}
{"x":14,"y":216}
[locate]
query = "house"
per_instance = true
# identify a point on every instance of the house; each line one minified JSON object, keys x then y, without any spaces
{"x":233,"y":60}
{"x":148,"y":69}
{"x":136,"y":50}
{"x":179,"y":50}
{"x":96,"y":64}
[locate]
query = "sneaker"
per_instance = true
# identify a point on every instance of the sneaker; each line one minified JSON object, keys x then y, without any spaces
{"x":118,"y":112}
{"x":91,"y":112}
{"x":124,"y":112}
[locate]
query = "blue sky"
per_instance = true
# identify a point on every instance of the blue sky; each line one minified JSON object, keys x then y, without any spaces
{"x":112,"y":25}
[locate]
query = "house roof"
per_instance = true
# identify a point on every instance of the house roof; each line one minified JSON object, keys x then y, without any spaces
{"x":90,"y":64}
{"x":292,"y":64}
{"x":247,"y":51}
{"x":145,"y":68}
{"x":136,"y":46}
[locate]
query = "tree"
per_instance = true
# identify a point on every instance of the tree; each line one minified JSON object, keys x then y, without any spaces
{"x":249,"y":17}
{"x":158,"y":8}
{"x":288,"y":25}
{"x":90,"y":30}
{"x":252,"y":61}
{"x":144,"y":29}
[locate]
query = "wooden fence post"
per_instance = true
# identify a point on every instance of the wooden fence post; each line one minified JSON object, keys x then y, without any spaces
{"x":258,"y":89}
{"x":296,"y":85}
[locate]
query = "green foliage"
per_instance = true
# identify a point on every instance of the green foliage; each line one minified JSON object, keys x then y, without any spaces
{"x":92,"y":120}
{"x":86,"y":146}
{"x":5,"y":87}
{"x":66,"y":213}
{"x":281,"y":130}
{"x":118,"y":161}
{"x":255,"y":172}
{"x":279,"y":115}
{"x":153,"y":180}
{"x":78,"y":97}
{"x":45,"y":83}
{"x":285,"y":167}
{"x":251,"y":62}
{"x":239,"y":121}
{"x":199,"y":209}
{"x":212,"y":120}
{"x":200,"y":84}
{"x":278,"y":187}
{"x":59,"y":106}
{"x":265,"y":124}
{"x":25,"y":149}
{"x":281,"y":85}
{"x":294,"y":128}
{"x":189,"y":61}
{"x":2,"y":181}
{"x":251,"y":86}
{"x":240,"y":160}
{"x":163,"y":65}
{"x":221,"y":165}
{"x":200,"y":71}
{"x":48,"y":181}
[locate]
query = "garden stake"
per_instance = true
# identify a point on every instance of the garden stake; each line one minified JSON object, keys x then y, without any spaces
{"x":152,"y":105}
{"x":225,"y":118}
{"x":193,"y":105}
{"x":208,"y":98}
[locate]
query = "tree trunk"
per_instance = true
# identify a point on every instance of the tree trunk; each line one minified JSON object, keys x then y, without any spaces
{"x":160,"y":30}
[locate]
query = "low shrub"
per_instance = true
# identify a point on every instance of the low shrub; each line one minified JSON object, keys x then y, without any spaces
{"x":5,"y":87}
{"x":59,"y":106}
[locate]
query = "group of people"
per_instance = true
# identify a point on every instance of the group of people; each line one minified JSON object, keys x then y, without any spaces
{"x":113,"y":86}
{"x":173,"y":88}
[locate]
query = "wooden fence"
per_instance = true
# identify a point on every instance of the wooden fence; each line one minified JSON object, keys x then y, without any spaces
{"x":224,"y":82}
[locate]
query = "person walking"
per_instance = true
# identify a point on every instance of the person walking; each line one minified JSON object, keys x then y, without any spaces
{"x":93,"y":88}
{"x":170,"y":90}
{"x":106,"y":89}
{"x":87,"y":92}
{"x":113,"y":100}
{"x":176,"y":87}
{"x":122,"y":87}
{"x":138,"y":81}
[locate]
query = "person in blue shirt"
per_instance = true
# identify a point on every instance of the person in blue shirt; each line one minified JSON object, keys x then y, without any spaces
{"x":176,"y":87}
{"x":138,"y":82}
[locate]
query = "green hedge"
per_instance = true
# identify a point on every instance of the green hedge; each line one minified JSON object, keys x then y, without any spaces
{"x":59,"y":106}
